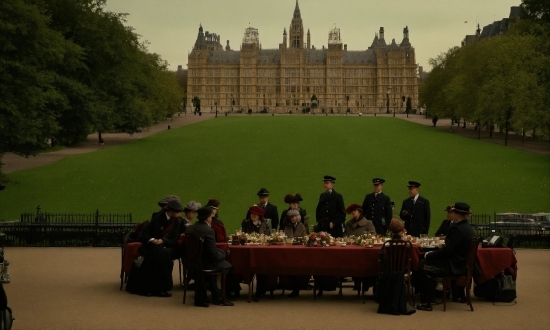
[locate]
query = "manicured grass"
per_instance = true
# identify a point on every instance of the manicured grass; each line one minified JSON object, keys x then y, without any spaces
{"x":230,"y":158}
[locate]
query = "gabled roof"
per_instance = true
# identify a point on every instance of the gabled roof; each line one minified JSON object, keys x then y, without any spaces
{"x":359,"y":57}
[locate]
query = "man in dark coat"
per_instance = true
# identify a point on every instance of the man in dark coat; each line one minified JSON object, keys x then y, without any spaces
{"x":271,"y":211}
{"x":449,"y":259}
{"x":415,"y":211}
{"x":160,"y":240}
{"x":213,"y":258}
{"x":377,"y":207}
{"x":330,"y":212}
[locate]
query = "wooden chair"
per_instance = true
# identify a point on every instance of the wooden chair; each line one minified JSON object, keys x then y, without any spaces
{"x":470,"y":264}
{"x":193,"y":258}
{"x":395,"y":256}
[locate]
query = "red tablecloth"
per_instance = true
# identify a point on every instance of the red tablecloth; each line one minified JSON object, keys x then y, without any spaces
{"x":492,"y":261}
{"x":301,"y":260}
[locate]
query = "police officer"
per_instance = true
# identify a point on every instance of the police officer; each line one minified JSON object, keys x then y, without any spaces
{"x":330,"y":212}
{"x":415,"y":211}
{"x":377,"y":207}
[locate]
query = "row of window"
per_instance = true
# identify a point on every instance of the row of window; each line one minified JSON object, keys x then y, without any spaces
{"x":296,"y":72}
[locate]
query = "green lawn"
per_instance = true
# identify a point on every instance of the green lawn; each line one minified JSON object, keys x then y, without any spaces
{"x":230,"y":158}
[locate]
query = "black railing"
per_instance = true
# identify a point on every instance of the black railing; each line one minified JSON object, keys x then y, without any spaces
{"x":518,"y":229}
{"x":66,"y":229}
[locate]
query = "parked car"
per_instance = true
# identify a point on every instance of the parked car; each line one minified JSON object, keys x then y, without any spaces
{"x":517,"y":226}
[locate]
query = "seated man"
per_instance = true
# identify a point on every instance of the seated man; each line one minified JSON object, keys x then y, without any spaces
{"x":159,"y":239}
{"x":212,"y":258}
{"x":450,"y":259}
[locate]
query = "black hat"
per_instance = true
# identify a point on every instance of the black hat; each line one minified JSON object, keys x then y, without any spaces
{"x":461,"y":207}
{"x":329,"y":178}
{"x":204,"y":212}
{"x":413,"y":184}
{"x":263,"y":192}
{"x":376,"y":181}
{"x":174,"y":206}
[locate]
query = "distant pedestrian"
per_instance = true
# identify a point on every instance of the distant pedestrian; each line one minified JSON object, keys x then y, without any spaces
{"x":434,"y":120}
{"x":168,"y":127}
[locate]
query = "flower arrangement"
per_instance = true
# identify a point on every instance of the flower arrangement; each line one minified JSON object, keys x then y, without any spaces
{"x":321,"y":239}
{"x":278,"y":237}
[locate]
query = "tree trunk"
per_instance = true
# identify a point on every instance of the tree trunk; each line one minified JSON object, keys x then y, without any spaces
{"x":506,"y":134}
{"x":464,"y":123}
{"x":479,"y":131}
{"x":99,"y":138}
{"x":523,"y":136}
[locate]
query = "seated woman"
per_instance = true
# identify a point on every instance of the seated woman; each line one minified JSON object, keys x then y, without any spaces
{"x":256,"y":223}
{"x":217,"y":225}
{"x":159,"y":239}
{"x":190,"y":211}
{"x":358,"y":224}
{"x":293,"y":226}
{"x":397,"y":229}
{"x":446,"y":224}
{"x":294,"y":204}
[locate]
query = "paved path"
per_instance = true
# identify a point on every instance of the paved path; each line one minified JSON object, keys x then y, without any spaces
{"x":77,"y":288}
{"x":14,"y":163}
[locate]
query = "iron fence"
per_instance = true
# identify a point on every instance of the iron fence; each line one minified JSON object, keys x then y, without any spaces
{"x":529,"y":230}
{"x":66,"y":229}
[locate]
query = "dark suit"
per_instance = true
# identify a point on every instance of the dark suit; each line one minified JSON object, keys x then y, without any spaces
{"x":155,"y":273}
{"x":271,"y":212}
{"x":212,"y":257}
{"x":448,"y":260}
{"x":417,"y":221}
{"x":331,"y":209}
{"x":378,"y":210}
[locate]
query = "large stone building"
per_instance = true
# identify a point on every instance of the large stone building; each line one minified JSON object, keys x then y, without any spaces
{"x":285,"y":79}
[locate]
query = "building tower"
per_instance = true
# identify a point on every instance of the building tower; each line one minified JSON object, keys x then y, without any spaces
{"x":308,"y":39}
{"x":296,"y":31}
{"x":285,"y":44}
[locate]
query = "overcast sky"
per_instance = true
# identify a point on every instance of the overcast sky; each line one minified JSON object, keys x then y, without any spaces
{"x":171,"y":26}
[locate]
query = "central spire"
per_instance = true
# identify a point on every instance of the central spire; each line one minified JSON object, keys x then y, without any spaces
{"x":297,"y":11}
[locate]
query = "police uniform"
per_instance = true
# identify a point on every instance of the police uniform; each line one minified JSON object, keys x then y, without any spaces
{"x":377,"y":208}
{"x":416,"y":213}
{"x":330,"y":209}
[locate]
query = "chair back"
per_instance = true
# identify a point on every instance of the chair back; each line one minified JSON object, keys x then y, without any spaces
{"x":471,"y":257}
{"x":395,"y":256}
{"x":193,"y":249}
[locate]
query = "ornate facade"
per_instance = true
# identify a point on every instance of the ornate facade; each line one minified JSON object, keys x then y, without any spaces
{"x":285,"y":79}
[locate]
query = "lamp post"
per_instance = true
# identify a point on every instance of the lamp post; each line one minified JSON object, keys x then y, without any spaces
{"x":388,"y":100}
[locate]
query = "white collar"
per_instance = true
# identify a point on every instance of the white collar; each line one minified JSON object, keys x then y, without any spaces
{"x":167,"y":216}
{"x":416,"y":198}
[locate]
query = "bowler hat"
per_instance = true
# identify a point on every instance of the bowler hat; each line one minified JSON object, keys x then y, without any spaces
{"x":413,"y":184}
{"x":204,"y":212}
{"x":353,"y":207}
{"x":192,"y":206}
{"x":263,"y":192}
{"x":174,"y":206}
{"x":461,"y":207}
{"x":377,"y":181}
{"x":256,"y":210}
{"x":329,"y":178}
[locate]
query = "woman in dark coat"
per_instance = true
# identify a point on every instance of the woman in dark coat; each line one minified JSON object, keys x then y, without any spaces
{"x":358,"y":224}
{"x":294,"y":204}
{"x":160,"y":238}
{"x":256,"y":222}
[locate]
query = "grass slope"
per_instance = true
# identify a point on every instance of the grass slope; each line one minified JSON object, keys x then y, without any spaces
{"x":230,"y":158}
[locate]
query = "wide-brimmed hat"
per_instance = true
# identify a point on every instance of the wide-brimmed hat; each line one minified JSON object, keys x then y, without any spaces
{"x":353,"y":207}
{"x":192,"y":206}
{"x":163,"y":202}
{"x":174,"y":206}
{"x":461,"y":207}
{"x":214,"y":203}
{"x":329,"y":178}
{"x":396,"y":226}
{"x":377,"y":181}
{"x":256,"y":210}
{"x":204,"y":212}
{"x":413,"y":184}
{"x":293,"y":199}
{"x":263,"y":192}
